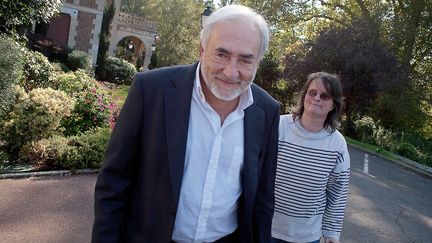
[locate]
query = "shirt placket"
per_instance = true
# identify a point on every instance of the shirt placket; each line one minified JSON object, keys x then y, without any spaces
{"x":209,"y":185}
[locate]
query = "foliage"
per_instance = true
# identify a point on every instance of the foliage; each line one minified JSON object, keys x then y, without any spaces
{"x":79,"y":60}
{"x":365,"y":128}
{"x":269,"y":76}
{"x":73,"y":82}
{"x":179,"y":34}
{"x":364,"y":64}
{"x":35,"y":115}
{"x":408,"y":145}
{"x":38,"y":71}
{"x":14,"y":13}
{"x":104,"y":42}
{"x":86,"y":150}
{"x":45,"y":153}
{"x":119,"y":71}
{"x":93,"y":108}
{"x":11,"y":67}
{"x":76,"y":152}
{"x":153,"y":61}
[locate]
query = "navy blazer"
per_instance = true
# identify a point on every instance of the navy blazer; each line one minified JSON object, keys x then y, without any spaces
{"x":138,"y":187}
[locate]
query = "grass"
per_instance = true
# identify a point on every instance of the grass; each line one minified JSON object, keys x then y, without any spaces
{"x":120,"y":94}
{"x":372,"y":148}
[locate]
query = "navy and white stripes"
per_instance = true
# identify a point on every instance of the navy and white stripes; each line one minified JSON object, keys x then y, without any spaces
{"x":311,"y":186}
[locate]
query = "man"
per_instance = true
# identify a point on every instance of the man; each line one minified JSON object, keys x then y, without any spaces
{"x":193,"y":155}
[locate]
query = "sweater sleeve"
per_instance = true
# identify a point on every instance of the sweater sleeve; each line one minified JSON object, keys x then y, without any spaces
{"x":337,"y":194}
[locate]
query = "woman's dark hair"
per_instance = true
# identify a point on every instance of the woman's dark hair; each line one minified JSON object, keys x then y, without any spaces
{"x":334,"y":89}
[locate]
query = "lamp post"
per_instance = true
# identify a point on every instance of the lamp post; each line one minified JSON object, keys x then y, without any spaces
{"x":130,"y":45}
{"x":206,"y":13}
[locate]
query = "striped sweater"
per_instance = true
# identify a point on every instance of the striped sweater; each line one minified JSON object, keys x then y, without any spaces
{"x":311,"y":186}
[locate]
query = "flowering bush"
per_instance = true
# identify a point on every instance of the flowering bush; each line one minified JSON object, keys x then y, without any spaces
{"x":45,"y":153}
{"x":35,"y":115}
{"x":93,"y":108}
{"x":38,"y":71}
{"x":74,"y":82}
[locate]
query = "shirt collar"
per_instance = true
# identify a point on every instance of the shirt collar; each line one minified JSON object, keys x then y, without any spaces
{"x":246,"y":98}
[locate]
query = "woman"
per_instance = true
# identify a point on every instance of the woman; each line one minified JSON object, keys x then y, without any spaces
{"x":313,"y":166}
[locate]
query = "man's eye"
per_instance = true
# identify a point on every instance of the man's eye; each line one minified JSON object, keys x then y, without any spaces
{"x":246,"y":61}
{"x":220,"y":55}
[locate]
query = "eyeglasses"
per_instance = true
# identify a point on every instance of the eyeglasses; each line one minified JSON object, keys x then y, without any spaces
{"x":314,"y":92}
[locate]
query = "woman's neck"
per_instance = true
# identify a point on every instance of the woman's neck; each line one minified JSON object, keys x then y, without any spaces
{"x":312,"y":124}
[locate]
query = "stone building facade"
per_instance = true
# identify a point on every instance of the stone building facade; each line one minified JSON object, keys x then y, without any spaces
{"x":78,"y":26}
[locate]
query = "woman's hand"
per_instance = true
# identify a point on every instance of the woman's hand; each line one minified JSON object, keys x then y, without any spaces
{"x":330,"y":240}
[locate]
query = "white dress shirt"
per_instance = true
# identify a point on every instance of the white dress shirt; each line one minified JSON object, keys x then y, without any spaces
{"x":211,"y":184}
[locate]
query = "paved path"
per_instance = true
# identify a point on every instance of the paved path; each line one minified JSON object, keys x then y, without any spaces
{"x":390,"y":204}
{"x":46,"y":209}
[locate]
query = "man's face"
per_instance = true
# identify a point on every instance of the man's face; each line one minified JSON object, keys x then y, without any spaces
{"x":230,"y":59}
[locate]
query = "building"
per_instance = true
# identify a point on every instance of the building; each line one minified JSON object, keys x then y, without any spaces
{"x":79,"y":24}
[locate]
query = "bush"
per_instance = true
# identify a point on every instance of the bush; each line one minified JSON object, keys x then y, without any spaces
{"x":119,"y":71}
{"x":74,"y":82}
{"x":87,"y":149}
{"x":45,"y":153}
{"x":11,"y":67}
{"x":79,"y":60}
{"x":93,"y":108}
{"x":365,"y":128}
{"x":38,"y":71}
{"x":408,"y":150}
{"x":36,"y":115}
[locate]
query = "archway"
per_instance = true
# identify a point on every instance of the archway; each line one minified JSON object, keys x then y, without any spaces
{"x":133,"y":50}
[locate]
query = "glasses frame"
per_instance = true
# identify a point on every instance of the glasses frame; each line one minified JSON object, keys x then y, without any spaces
{"x":323,"y":96}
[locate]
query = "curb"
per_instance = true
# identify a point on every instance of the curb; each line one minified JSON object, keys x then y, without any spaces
{"x":47,"y":173}
{"x":407,"y":163}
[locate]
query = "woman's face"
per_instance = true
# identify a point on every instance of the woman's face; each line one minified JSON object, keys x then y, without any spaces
{"x":317,"y":102}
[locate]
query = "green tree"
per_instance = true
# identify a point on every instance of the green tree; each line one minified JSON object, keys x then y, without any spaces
{"x":104,"y":43}
{"x":179,"y":33}
{"x":367,"y":70}
{"x":15,"y":13}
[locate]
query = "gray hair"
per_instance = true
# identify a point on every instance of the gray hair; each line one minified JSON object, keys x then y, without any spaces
{"x":237,"y":12}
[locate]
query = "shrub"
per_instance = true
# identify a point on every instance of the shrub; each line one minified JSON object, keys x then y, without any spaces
{"x":87,"y":149}
{"x":11,"y":67}
{"x":93,"y":108}
{"x":74,"y":82}
{"x":79,"y":60}
{"x":365,"y":128}
{"x":45,"y":153}
{"x":384,"y":138}
{"x":408,"y":150}
{"x":38,"y":71}
{"x":119,"y":71}
{"x":36,"y":115}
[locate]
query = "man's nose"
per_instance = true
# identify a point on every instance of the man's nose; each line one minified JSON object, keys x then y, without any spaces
{"x":231,"y":69}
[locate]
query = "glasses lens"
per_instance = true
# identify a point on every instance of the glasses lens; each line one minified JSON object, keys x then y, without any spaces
{"x":325,"y":96}
{"x":314,"y":92}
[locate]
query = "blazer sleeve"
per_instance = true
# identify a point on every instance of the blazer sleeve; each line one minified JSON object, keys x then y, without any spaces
{"x":116,"y":175}
{"x":264,"y":205}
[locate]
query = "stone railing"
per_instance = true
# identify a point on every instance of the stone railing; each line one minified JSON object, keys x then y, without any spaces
{"x":136,"y":22}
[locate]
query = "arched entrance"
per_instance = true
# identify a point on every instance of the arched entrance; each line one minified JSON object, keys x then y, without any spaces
{"x":140,"y":31}
{"x":133,"y":50}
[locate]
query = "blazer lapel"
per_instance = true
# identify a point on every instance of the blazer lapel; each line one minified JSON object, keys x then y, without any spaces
{"x":177,"y":110}
{"x":253,"y":131}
